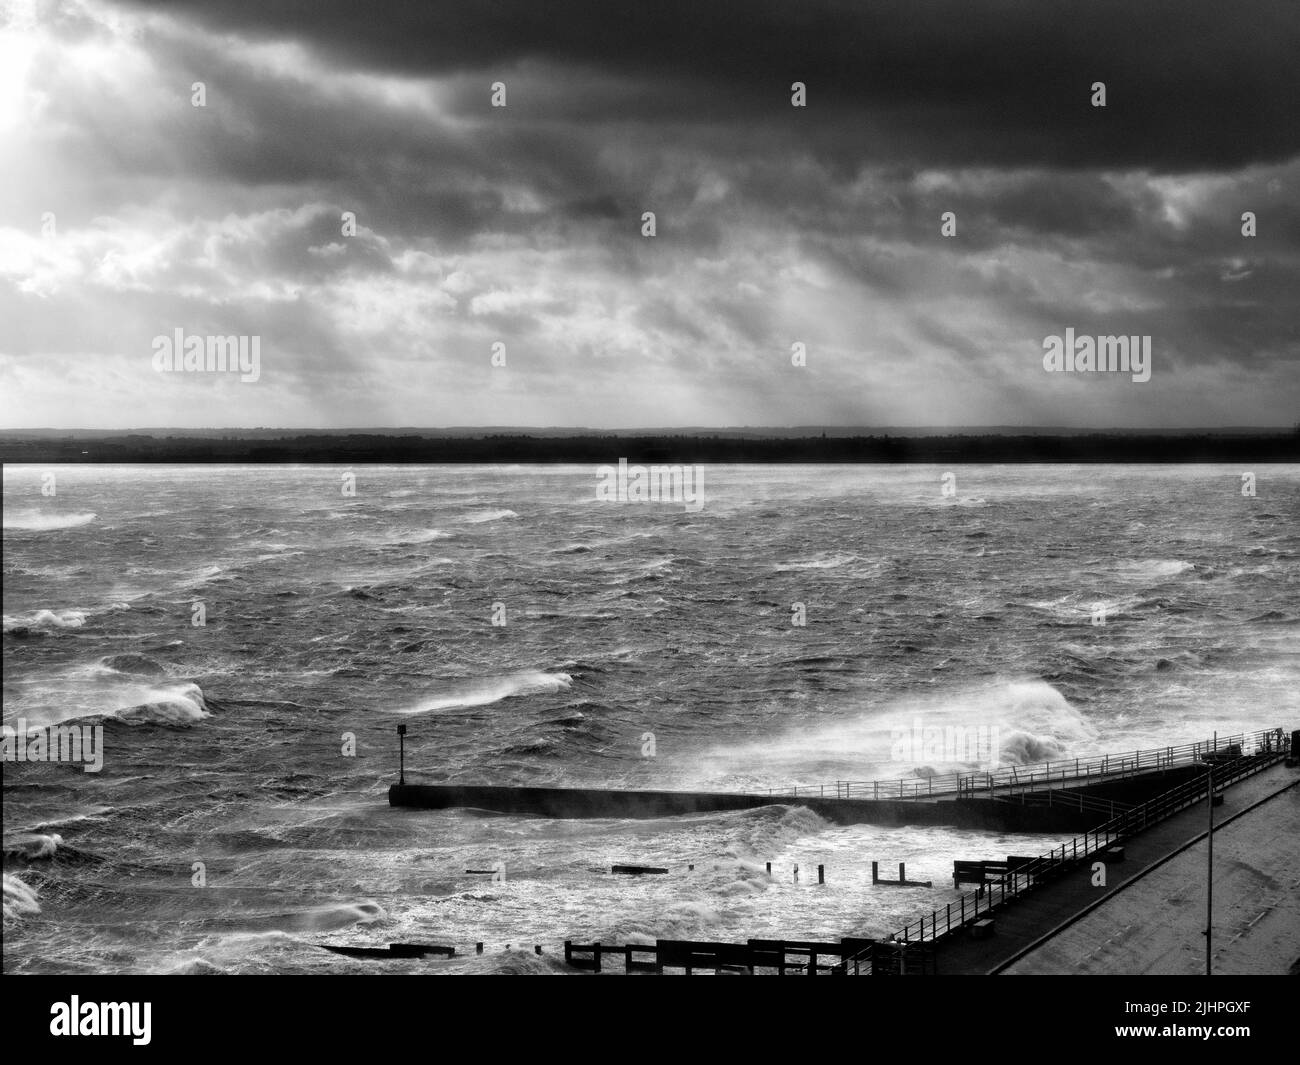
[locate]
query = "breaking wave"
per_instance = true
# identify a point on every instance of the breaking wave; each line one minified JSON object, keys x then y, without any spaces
{"x":32,"y":847}
{"x":35,"y":521}
{"x":44,"y":620}
{"x":1029,"y":721}
{"x":20,"y":900}
{"x":466,"y":693}
{"x":179,"y":705}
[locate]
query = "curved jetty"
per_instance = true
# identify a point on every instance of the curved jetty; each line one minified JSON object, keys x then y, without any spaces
{"x":1002,"y":814}
{"x":1069,"y":795}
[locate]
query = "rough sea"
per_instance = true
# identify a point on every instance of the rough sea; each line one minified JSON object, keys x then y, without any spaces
{"x":240,"y":819}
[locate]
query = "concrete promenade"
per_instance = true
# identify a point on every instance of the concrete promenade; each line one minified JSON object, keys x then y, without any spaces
{"x":1153,"y":925}
{"x":1026,"y":926}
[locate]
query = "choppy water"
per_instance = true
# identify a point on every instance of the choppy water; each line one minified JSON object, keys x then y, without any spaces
{"x":329,"y":615}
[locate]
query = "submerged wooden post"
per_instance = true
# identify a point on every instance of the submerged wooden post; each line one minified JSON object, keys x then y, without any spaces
{"x":821,"y":874}
{"x":401,"y":757}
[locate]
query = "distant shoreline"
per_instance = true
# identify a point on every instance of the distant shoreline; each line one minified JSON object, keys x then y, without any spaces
{"x":693,"y":447}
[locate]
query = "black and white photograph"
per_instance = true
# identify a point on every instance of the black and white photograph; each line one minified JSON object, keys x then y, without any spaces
{"x":702,"y":488}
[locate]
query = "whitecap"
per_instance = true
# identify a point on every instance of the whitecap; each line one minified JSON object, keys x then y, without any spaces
{"x":36,"y":521}
{"x":488,"y":515}
{"x":466,"y":693}
{"x":826,"y":562}
{"x":1150,"y":569}
{"x":415,"y":536}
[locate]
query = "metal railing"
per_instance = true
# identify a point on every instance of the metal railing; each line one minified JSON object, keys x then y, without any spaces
{"x":976,"y":905}
{"x":1013,"y":780}
{"x":1068,"y":798}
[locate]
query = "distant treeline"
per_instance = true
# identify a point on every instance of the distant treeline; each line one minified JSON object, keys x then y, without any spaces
{"x":662,"y":448}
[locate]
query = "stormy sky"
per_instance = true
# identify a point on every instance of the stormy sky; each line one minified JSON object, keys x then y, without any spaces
{"x":128,"y":213}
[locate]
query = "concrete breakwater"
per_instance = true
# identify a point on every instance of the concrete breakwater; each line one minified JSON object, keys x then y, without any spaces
{"x":997,"y":814}
{"x":1070,"y":795}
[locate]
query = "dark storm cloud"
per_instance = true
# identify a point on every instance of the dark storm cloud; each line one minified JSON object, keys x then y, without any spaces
{"x":1192,"y":84}
{"x":478,"y":225}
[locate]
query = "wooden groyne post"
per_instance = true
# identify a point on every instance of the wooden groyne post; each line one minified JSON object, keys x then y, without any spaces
{"x":902,"y":880}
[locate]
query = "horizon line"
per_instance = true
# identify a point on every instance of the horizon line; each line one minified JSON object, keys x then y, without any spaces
{"x":660,"y":429}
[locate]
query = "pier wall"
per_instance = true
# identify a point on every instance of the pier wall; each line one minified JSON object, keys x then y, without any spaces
{"x":605,"y":802}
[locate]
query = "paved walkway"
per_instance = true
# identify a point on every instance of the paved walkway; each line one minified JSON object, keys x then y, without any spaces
{"x":1154,"y":926}
{"x":1023,"y":922}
